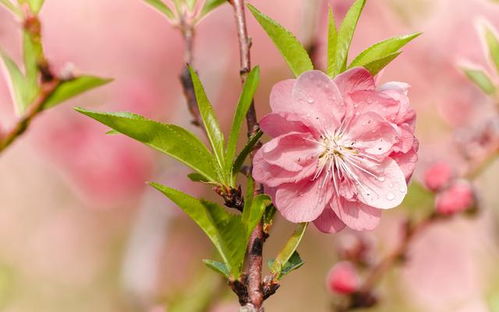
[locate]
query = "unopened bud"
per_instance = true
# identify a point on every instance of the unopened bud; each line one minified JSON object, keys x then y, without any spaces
{"x":343,"y":278}
{"x":458,"y":197}
{"x":437,"y":176}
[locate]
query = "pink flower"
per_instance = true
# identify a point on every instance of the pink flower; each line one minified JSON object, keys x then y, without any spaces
{"x":457,"y":198}
{"x":437,"y":176}
{"x":343,"y":278}
{"x":342,"y":149}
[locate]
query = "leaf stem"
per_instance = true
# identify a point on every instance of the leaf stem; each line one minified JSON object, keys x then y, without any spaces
{"x":49,"y":83}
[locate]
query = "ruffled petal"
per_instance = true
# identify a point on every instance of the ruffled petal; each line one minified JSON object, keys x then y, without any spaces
{"x":273,"y":176}
{"x":372,"y":134}
{"x":407,"y":161}
{"x":276,"y":124}
{"x":355,"y":79}
{"x":384,"y":187}
{"x":317,"y":98}
{"x":328,"y":222}
{"x":356,"y":215}
{"x":291,"y":152}
{"x":302,"y":202}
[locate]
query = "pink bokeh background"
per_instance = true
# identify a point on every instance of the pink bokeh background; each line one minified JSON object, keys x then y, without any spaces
{"x":80,"y":230}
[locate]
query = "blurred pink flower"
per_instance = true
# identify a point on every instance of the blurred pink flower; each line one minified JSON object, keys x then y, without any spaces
{"x":457,"y":198}
{"x":437,"y":176}
{"x":342,"y":149}
{"x":343,"y":278}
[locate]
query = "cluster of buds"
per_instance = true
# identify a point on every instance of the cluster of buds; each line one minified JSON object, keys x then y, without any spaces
{"x":453,"y":195}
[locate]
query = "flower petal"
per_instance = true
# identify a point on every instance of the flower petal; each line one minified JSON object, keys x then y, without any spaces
{"x":302,"y":202}
{"x":356,"y":215}
{"x":317,"y":98}
{"x":276,"y":124}
{"x":328,"y":222}
{"x":385,"y":188}
{"x":273,"y":176}
{"x":355,"y":79}
{"x":291,"y":152}
{"x":281,"y":95}
{"x":407,"y":161}
{"x":372,"y":134}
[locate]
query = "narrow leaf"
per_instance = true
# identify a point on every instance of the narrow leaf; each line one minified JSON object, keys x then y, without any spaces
{"x":10,"y":6}
{"x":345,"y":34}
{"x":480,"y":78}
{"x":169,"y":139}
{"x":288,"y":249}
{"x":492,"y":44}
{"x":72,"y":88}
{"x":32,"y":53}
{"x":197,"y":177}
{"x":210,"y":5}
{"x":376,"y":66}
{"x":293,"y":51}
{"x":162,"y":8}
{"x":243,"y":105}
{"x":238,"y":163}
{"x":332,"y":41}
{"x":294,"y":262}
{"x":382,"y":49}
{"x":36,"y":5}
{"x":16,"y":82}
{"x":210,"y":121}
{"x":225,"y":230}
{"x":253,"y":212}
{"x":218,"y":267}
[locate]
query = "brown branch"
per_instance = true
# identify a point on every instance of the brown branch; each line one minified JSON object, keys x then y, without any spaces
{"x":49,"y":82}
{"x":257,"y":238}
{"x":24,"y":122}
{"x":187,"y":31}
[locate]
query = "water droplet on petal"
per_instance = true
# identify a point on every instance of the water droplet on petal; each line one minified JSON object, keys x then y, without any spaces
{"x":381,"y":179}
{"x":402,"y":190}
{"x":310,"y":100}
{"x":390,"y":196}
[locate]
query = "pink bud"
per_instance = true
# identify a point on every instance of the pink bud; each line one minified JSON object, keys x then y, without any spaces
{"x":343,"y":278}
{"x":437,"y":176}
{"x":457,"y":198}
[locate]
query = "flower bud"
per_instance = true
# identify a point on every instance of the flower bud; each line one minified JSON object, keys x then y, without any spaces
{"x":343,"y":278}
{"x":437,"y":176}
{"x":458,"y":197}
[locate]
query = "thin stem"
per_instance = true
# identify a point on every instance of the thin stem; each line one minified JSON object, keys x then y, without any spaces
{"x":257,"y":238}
{"x":187,"y":31}
{"x":49,"y":82}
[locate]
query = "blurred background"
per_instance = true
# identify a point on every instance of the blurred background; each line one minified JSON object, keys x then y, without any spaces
{"x":80,"y":231}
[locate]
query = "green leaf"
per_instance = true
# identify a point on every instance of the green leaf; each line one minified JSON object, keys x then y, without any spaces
{"x":345,"y":34}
{"x":376,"y":66}
{"x":245,"y":101}
{"x":289,"y":249}
{"x":162,"y":8}
{"x":492,"y":44}
{"x":36,"y":5}
{"x":238,"y":163}
{"x":293,"y":51}
{"x":225,"y":230}
{"x":253,"y":212}
{"x":294,"y":262}
{"x":197,"y":177}
{"x":10,"y":6}
{"x":32,"y":53}
{"x":72,"y":88}
{"x":210,"y":121}
{"x":218,"y":267}
{"x":332,"y":41}
{"x":169,"y":139}
{"x":480,"y":78}
{"x":17,"y":83}
{"x":382,"y":49}
{"x":209,"y":6}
